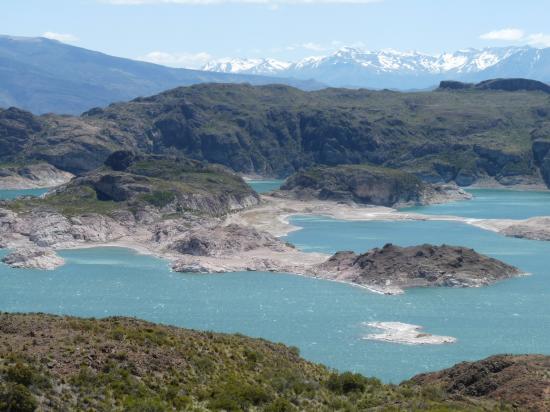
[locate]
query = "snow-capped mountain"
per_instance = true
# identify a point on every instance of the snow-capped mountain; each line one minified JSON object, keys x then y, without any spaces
{"x":395,"y":69}
{"x":248,"y":66}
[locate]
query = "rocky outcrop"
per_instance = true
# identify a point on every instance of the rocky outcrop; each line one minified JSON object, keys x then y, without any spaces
{"x":523,"y":381}
{"x":34,"y":258}
{"x":513,"y":85}
{"x":536,"y":228}
{"x":508,"y":85}
{"x":167,"y":184}
{"x":234,"y":248}
{"x":392,"y":268}
{"x":225,"y":240}
{"x":33,"y":176}
{"x":365,"y":184}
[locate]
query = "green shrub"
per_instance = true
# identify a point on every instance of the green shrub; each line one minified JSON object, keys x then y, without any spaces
{"x":280,"y":405}
{"x":349,"y":382}
{"x":20,"y":374}
{"x":17,"y":398}
{"x":159,"y":199}
{"x":236,"y":396}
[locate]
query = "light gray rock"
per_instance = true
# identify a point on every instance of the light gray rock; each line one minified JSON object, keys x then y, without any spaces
{"x":537,"y":228}
{"x":33,"y":258}
{"x":40,"y":175}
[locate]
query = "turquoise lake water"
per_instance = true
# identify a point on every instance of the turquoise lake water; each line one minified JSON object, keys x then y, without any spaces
{"x":12,"y":194}
{"x":324,"y":319}
{"x":494,"y":204}
{"x":263,"y":186}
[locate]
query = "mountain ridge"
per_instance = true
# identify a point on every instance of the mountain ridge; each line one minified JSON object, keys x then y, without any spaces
{"x":388,"y":68}
{"x":442,"y":136}
{"x":43,"y":75}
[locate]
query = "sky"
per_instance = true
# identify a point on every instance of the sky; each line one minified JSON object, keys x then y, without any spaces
{"x":188,"y":33}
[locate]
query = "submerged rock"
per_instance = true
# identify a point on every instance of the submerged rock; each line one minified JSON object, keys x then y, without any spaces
{"x":34,"y":258}
{"x":393,"y":267}
{"x":406,"y":334}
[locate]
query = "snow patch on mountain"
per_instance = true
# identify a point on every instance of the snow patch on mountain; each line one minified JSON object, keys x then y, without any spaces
{"x":466,"y":60}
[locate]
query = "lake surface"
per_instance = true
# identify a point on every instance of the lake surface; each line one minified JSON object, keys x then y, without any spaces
{"x":12,"y":194}
{"x":494,"y":204}
{"x":264,"y":186}
{"x":324,"y":319}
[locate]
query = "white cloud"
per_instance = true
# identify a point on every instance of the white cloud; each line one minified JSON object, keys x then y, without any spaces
{"x":539,"y":39}
{"x":307,"y":46}
{"x":518,"y":35}
{"x":508,"y":34}
{"x":62,"y":37}
{"x":187,"y":60}
{"x":273,"y":4}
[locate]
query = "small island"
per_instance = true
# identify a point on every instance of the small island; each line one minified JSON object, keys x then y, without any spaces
{"x":367,"y":184}
{"x":391,"y":269}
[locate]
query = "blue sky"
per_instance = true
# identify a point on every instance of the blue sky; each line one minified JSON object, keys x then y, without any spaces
{"x":190,"y":32}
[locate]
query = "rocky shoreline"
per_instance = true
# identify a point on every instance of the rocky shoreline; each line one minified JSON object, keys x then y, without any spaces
{"x":241,"y":241}
{"x":33,"y":176}
{"x":34,"y":258}
{"x":205,"y":219}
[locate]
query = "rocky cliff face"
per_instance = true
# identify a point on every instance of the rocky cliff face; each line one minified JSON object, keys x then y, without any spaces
{"x":439,"y":136}
{"x":368,"y":185}
{"x":416,"y":266}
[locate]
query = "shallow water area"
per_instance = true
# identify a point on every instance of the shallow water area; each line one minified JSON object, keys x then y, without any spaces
{"x":13,"y":193}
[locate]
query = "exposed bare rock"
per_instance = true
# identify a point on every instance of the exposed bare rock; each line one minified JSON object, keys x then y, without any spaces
{"x":442,"y":193}
{"x":393,"y":267}
{"x":33,"y":176}
{"x":225,"y":240}
{"x":35,"y":258}
{"x":405,"y":334}
{"x":521,"y":380}
{"x":537,"y":228}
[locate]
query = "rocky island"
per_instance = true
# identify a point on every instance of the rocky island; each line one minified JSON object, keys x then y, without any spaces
{"x":392,"y":268}
{"x":367,"y":184}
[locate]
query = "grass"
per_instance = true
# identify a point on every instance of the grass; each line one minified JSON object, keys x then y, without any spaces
{"x":78,"y":201}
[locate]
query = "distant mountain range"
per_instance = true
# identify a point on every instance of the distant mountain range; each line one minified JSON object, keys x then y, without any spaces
{"x":43,"y":75}
{"x":350,"y":67}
